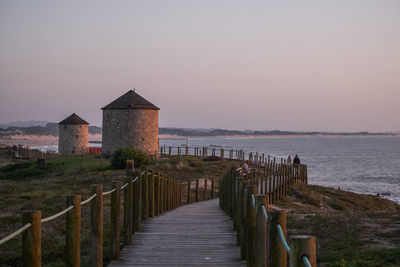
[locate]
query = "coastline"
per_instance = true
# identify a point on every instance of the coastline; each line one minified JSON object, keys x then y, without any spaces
{"x":51,"y":140}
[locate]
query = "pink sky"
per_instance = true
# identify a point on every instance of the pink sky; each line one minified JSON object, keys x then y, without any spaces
{"x":289,"y":65}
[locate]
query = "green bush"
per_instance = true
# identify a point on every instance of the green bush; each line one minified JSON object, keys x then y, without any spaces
{"x":120,"y":156}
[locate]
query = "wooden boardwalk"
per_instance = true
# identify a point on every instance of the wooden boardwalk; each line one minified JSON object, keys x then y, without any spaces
{"x":199,"y":234}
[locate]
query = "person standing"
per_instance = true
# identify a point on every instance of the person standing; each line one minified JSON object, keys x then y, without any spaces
{"x":245,"y":168}
{"x":296,"y":160}
{"x":289,"y":160}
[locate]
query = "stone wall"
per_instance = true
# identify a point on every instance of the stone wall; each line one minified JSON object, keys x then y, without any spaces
{"x":73,"y":139}
{"x":136,"y":128}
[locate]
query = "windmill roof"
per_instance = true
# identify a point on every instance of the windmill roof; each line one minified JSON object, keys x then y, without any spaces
{"x":130,"y":100}
{"x":73,"y":119}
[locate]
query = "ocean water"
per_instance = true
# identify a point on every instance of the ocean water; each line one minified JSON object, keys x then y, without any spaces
{"x":368,"y":165}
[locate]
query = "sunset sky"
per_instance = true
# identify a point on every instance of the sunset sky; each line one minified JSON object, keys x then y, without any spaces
{"x":260,"y":65}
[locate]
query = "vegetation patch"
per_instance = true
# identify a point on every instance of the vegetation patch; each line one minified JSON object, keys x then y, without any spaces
{"x":121,"y":155}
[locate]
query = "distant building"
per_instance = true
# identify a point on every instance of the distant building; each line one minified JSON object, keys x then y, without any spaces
{"x":73,"y":135}
{"x":130,"y":121}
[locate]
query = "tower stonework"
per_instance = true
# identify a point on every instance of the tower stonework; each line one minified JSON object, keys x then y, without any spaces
{"x":73,"y":136}
{"x":130,"y":121}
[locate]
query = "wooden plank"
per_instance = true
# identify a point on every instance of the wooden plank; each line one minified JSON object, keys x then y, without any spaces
{"x":199,"y":234}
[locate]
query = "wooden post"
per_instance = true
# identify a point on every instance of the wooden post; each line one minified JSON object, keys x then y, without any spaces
{"x":205,"y":188}
{"x":73,"y":231}
{"x":157,"y":195}
{"x":172,"y":194}
{"x":96,"y":226}
{"x":137,"y":204}
{"x":302,"y":245}
{"x":197,"y":190}
{"x":162,"y":193}
{"x":212,"y":188}
{"x":276,"y":250}
{"x":151,"y":194}
{"x":261,"y":253}
{"x":115,"y":211}
{"x":145,"y":194}
{"x":250,"y":230}
{"x":165,"y":193}
{"x":180,"y":194}
{"x":238,"y":219}
{"x":167,"y":189}
{"x":128,"y":212}
{"x":170,"y":191}
{"x":175,"y":195}
{"x":32,"y":239}
{"x":189,"y":191}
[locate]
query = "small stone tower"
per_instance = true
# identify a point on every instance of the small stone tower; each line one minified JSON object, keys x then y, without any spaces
{"x":130,"y":121}
{"x":73,"y":136}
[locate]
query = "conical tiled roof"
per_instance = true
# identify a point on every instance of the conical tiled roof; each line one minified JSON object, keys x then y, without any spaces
{"x":130,"y":100}
{"x":73,"y":119}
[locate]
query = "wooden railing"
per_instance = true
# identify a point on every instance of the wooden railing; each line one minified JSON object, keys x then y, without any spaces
{"x":255,"y":158}
{"x":29,"y":153}
{"x":262,"y":233}
{"x":149,"y":194}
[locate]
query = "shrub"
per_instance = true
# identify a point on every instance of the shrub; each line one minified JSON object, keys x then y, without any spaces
{"x":120,"y":156}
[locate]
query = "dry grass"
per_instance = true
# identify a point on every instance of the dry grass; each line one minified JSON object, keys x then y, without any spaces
{"x":28,"y":188}
{"x":351,"y":229}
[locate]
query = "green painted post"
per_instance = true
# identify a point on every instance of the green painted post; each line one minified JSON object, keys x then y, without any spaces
{"x":276,"y":250}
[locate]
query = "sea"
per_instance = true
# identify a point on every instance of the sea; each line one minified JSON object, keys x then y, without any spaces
{"x":361,"y":164}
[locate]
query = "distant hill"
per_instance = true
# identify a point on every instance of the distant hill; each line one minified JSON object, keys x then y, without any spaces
{"x":51,"y":128}
{"x":221,"y":132}
{"x":23,"y":124}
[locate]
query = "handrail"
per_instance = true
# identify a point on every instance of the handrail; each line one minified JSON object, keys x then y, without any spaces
{"x":180,"y":151}
{"x":57,"y":214}
{"x":109,"y":192}
{"x":264,"y":212}
{"x":170,"y":199}
{"x":88,"y":200}
{"x":235,"y":191}
{"x":11,"y":236}
{"x":306,"y":261}
{"x":284,"y":242}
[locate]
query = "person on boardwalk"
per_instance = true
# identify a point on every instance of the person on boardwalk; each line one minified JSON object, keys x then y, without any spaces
{"x":289,"y":160}
{"x":245,"y":168}
{"x":296,"y":160}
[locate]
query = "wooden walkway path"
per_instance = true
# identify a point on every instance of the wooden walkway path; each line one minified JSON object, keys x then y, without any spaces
{"x":199,"y":234}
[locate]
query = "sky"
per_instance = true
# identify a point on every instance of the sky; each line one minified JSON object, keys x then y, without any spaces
{"x":261,"y":65}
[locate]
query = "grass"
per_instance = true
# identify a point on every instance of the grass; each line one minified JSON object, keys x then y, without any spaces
{"x":352,"y":230}
{"x":26,"y":186}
